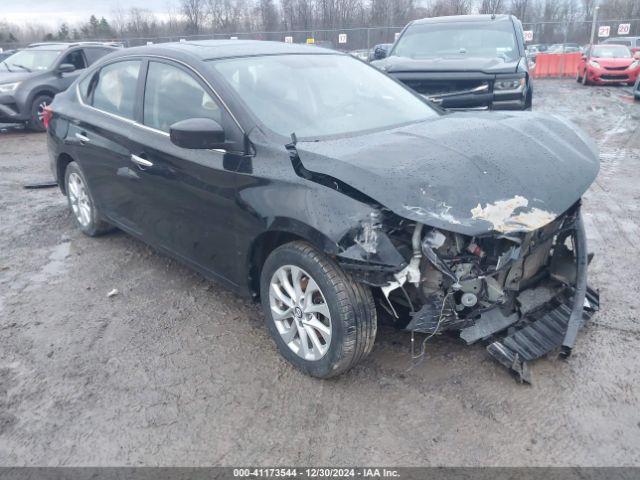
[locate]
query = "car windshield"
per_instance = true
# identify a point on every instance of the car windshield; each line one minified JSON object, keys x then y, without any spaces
{"x":611,"y":51}
{"x":493,"y":40}
{"x":31,"y":60}
{"x":320,"y":95}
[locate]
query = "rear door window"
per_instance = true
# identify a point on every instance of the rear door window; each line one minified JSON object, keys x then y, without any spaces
{"x":172,"y":95}
{"x":112,"y":89}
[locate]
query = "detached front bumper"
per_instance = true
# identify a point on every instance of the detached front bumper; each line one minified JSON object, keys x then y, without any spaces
{"x":544,"y":332}
{"x":528,"y":297}
{"x":545,"y":324}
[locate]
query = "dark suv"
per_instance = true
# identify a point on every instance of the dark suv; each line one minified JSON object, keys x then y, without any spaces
{"x":464,"y":62}
{"x":30,"y":78}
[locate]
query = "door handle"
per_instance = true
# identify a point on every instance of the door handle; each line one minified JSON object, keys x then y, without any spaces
{"x":82,"y":137}
{"x":141,"y":162}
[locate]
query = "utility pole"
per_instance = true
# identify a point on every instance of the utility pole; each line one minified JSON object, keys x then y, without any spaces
{"x":594,"y":21}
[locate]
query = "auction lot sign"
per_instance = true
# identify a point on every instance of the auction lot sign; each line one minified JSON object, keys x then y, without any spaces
{"x":624,"y":29}
{"x":604,"y":31}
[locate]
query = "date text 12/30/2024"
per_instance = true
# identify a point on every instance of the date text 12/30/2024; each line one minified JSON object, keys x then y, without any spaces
{"x":315,"y":473}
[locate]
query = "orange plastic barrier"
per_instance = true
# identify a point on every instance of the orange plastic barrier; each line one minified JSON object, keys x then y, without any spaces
{"x":556,"y":65}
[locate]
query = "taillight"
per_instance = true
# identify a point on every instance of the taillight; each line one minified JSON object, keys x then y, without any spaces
{"x":47,"y":114}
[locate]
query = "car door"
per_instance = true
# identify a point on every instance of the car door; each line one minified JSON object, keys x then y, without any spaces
{"x":187,"y":197}
{"x":100,"y":135}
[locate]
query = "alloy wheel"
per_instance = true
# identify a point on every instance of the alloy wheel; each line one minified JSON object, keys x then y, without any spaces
{"x":41,"y":107}
{"x":79,"y":199}
{"x":300,"y":312}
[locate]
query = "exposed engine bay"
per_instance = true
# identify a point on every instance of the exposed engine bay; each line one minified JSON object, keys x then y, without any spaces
{"x":529,"y":284}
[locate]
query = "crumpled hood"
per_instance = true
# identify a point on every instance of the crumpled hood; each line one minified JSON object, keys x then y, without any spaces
{"x":470,"y":173}
{"x":447,"y":64}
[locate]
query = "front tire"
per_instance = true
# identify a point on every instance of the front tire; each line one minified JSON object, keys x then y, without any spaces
{"x":322,"y":321}
{"x":585,"y":80}
{"x":85,"y":214}
{"x":36,"y":122}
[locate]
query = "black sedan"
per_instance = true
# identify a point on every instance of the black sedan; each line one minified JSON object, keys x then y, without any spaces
{"x":334,"y":194}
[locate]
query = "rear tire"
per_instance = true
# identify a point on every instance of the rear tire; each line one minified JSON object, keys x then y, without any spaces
{"x":349,"y":320}
{"x":35,"y":122}
{"x":85,"y":214}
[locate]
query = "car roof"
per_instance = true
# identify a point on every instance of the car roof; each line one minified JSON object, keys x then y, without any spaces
{"x":463,"y":18}
{"x":218,"y":49}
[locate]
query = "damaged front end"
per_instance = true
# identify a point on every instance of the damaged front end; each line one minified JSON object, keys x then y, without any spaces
{"x":524,"y":291}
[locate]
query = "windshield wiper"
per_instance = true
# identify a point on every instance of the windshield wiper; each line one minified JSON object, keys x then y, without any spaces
{"x":22,"y":66}
{"x":6,"y":65}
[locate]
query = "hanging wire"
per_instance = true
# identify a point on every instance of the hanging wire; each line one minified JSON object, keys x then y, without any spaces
{"x":417,"y":359}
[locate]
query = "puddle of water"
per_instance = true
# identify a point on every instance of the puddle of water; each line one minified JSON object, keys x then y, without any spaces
{"x":53,"y":268}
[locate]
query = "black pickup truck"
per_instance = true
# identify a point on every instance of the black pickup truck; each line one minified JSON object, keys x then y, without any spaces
{"x":464,"y":62}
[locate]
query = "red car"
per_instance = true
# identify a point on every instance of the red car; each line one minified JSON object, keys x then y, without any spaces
{"x":602,"y":64}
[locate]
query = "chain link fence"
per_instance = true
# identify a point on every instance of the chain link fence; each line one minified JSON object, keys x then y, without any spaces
{"x":365,"y":39}
{"x":579,"y":33}
{"x":347,"y":39}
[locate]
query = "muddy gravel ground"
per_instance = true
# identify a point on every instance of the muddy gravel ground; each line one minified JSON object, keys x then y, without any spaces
{"x":177,"y":370}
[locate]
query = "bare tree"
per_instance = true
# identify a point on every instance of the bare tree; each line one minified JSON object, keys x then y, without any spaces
{"x":268,"y":13}
{"x":227,"y":15}
{"x":437,"y":8}
{"x":491,"y":6}
{"x":519,"y":9}
{"x":195,"y":14}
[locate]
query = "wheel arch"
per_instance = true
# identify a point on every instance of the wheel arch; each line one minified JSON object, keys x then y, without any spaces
{"x":283,"y":231}
{"x":43,"y":90}
{"x":62,"y":161}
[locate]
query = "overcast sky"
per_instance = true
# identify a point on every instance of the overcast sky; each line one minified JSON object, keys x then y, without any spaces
{"x":54,"y":12}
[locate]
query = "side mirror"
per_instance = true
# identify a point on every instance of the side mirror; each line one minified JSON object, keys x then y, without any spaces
{"x":66,"y":68}
{"x":198,"y":134}
{"x":380,"y":53}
